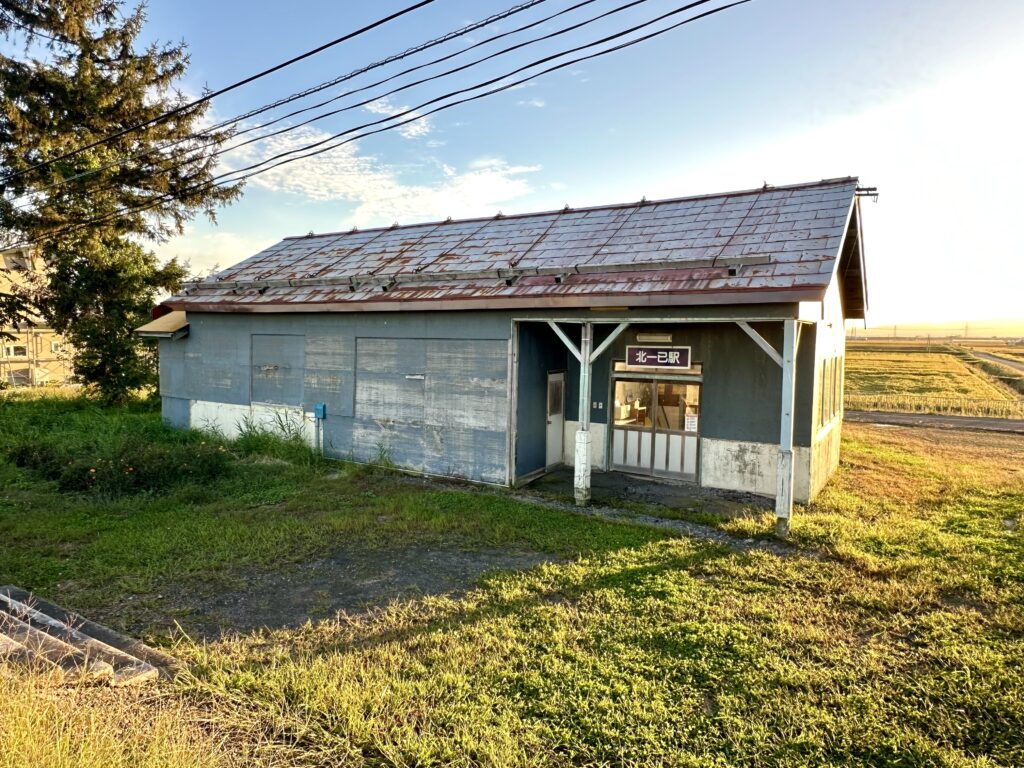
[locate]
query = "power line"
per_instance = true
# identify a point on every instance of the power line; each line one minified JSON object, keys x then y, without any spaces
{"x":432,"y":78}
{"x":415,"y":117}
{"x":322,"y":86}
{"x":439,"y":75}
{"x":219,"y":92}
{"x":318,"y":148}
{"x":446,"y":73}
{"x":484,"y":84}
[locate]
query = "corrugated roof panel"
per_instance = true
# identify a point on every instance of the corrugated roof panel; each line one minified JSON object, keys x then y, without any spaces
{"x":773,"y":238}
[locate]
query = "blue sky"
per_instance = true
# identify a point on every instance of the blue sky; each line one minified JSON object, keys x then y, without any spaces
{"x":920,"y":98}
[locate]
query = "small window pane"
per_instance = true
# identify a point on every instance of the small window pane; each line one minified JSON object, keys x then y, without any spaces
{"x":555,"y":397}
{"x":632,"y":403}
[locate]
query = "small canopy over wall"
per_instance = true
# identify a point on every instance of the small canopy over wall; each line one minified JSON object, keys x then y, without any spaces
{"x":173,"y":325}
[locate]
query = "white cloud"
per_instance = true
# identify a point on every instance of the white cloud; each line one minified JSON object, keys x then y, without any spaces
{"x":534,"y":102}
{"x":205,"y":252}
{"x":378,"y":192}
{"x":380,"y":195}
{"x":414,"y":130}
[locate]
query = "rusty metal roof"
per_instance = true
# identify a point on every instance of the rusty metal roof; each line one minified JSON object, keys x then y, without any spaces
{"x":764,"y":245}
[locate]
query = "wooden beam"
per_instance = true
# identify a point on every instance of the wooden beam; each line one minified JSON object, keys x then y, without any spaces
{"x":581,"y":465}
{"x":761,"y":341}
{"x":784,"y":486}
{"x":565,"y":340}
{"x":609,"y":341}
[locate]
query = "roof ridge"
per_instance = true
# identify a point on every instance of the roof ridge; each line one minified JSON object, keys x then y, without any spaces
{"x":607,"y":206}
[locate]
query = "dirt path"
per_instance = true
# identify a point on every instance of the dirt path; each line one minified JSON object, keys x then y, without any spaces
{"x":982,"y":423}
{"x":1016,"y":365}
{"x":681,"y":527}
{"x":353,"y":579}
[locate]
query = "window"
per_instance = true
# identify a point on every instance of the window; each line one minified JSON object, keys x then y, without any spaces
{"x":830,"y":388}
{"x":57,"y":347}
{"x":555,"y":396}
{"x":16,"y":350}
{"x":633,"y":403}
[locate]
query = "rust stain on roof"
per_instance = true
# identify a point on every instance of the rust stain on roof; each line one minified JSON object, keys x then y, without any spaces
{"x":756,"y":242}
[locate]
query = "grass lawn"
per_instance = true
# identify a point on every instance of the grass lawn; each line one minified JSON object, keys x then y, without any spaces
{"x":892,"y":635}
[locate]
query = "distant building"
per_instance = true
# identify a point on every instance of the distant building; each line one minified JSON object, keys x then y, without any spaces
{"x":36,"y":355}
{"x":698,"y":339}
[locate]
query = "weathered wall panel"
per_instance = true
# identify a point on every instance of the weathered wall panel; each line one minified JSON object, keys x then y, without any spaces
{"x":278,"y":368}
{"x":436,"y":405}
{"x":175,"y":412}
{"x":330,"y":372}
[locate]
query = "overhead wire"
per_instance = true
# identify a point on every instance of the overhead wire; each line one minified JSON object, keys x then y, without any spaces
{"x":221,"y":91}
{"x":378,"y":97}
{"x":317,"y":148}
{"x":424,"y":46}
{"x":320,"y":87}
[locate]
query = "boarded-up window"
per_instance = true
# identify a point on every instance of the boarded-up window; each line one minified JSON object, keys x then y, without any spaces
{"x":277,"y":367}
{"x":435,"y":405}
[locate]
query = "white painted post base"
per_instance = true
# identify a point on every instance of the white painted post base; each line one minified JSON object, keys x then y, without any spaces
{"x":784,"y":494}
{"x":581,"y":475}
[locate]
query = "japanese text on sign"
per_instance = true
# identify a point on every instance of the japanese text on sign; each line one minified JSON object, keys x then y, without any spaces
{"x":658,"y":357}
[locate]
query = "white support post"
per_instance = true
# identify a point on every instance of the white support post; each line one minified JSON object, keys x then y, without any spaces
{"x":784,"y":489}
{"x":581,"y":475}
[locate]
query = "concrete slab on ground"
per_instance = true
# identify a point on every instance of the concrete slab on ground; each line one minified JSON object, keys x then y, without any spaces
{"x":614,"y":488}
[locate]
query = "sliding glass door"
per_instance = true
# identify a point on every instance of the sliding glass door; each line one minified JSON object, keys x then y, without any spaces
{"x":656,"y":427}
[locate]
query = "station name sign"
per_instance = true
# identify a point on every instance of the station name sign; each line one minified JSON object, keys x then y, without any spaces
{"x":658,"y":357}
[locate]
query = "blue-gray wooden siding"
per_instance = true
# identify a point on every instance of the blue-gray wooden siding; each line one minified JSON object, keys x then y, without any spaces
{"x":429,"y":390}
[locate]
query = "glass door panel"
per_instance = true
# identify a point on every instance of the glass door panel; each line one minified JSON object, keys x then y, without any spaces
{"x":632,"y":421}
{"x":633,"y":403}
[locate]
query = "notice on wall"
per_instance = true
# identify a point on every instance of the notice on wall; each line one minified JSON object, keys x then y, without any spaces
{"x":657,"y":357}
{"x":690,"y":424}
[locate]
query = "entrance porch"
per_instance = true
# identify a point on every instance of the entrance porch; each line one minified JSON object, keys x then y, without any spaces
{"x":649,"y":397}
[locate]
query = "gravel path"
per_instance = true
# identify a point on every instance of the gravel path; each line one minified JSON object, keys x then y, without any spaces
{"x":982,"y":423}
{"x":681,"y":527}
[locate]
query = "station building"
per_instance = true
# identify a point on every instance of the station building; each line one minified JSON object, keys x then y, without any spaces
{"x":698,"y":339}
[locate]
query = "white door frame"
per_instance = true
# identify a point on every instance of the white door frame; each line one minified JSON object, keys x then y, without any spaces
{"x":555,"y":423}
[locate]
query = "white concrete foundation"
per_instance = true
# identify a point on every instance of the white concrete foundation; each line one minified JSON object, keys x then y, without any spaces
{"x":230,"y":420}
{"x":597,"y":444}
{"x":751,"y":467}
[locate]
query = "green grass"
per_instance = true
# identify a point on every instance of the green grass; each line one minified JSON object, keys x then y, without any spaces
{"x":893,"y":636}
{"x":266,"y":501}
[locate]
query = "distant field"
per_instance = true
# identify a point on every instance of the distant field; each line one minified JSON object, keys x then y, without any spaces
{"x":907,"y":378}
